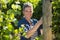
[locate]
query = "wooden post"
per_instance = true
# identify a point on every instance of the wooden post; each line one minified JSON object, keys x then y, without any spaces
{"x":47,"y":19}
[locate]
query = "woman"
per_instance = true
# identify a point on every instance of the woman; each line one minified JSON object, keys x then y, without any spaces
{"x":31,"y":24}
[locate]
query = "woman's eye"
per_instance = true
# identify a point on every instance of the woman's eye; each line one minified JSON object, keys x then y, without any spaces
{"x":28,"y":11}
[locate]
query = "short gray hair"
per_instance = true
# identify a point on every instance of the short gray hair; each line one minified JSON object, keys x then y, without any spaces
{"x":27,"y":4}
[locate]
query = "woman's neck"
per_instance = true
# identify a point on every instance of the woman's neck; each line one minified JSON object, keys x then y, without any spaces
{"x":29,"y":20}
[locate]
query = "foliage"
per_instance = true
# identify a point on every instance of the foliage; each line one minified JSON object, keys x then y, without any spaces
{"x":11,"y":13}
{"x":56,"y":19}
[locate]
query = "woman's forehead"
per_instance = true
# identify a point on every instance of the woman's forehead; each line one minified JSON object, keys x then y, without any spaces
{"x":28,"y":8}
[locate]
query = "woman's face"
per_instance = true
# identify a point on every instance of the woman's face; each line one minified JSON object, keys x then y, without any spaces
{"x":28,"y":11}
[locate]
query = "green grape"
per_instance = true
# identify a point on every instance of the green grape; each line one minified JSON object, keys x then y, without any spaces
{"x":1,"y":19}
{"x":21,"y":30}
{"x":16,"y":31}
{"x":24,"y":34}
{"x":11,"y":16}
{"x":10,"y":27}
{"x":4,"y":6}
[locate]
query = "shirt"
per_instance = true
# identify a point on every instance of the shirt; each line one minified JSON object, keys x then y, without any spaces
{"x":28,"y":27}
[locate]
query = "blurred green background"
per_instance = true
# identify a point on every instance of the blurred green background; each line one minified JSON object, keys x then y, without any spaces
{"x":11,"y":13}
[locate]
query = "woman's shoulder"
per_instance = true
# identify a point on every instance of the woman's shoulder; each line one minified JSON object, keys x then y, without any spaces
{"x":21,"y":20}
{"x":35,"y":20}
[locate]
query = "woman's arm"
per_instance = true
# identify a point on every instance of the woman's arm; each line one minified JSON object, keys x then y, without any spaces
{"x":32,"y":31}
{"x":41,"y":31}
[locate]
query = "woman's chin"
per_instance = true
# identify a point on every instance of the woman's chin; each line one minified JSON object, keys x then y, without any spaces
{"x":28,"y":17}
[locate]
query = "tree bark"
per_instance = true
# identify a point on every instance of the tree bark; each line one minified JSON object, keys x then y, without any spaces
{"x":47,"y":19}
